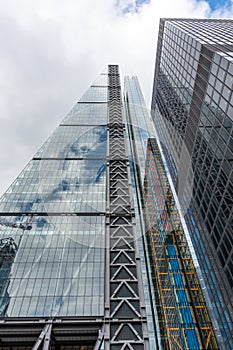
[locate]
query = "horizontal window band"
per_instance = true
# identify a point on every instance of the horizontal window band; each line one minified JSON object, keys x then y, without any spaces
{"x":113,"y":216}
{"x":83,"y":125}
{"x":101,"y":86}
{"x":92,"y":102}
{"x":53,"y":214}
{"x":67,"y":158}
{"x":57,"y":321}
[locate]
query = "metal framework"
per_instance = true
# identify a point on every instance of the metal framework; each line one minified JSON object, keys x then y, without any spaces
{"x":125,"y":314}
{"x":54,"y":334}
{"x":183,"y":316}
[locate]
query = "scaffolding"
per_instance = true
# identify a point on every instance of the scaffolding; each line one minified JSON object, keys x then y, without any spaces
{"x":183,"y":316}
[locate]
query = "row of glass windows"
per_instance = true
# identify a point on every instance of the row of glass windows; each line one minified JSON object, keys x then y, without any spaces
{"x":54,"y":254}
{"x":178,"y":35}
{"x":188,"y":51}
{"x":67,"y":260}
{"x":178,"y":67}
{"x":102,"y":80}
{"x":59,"y":306}
{"x":209,"y":32}
{"x":87,"y":113}
{"x":75,"y":142}
{"x":218,"y":234}
{"x":84,"y":206}
{"x":212,"y":284}
{"x":219,"y":92}
{"x":95,"y":94}
{"x":64,"y":182}
{"x":56,"y":227}
{"x":202,"y":191}
{"x":45,"y":272}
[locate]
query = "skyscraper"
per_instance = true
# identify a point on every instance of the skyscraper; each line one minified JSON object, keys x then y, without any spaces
{"x":192,"y":107}
{"x":94,"y":250}
{"x":70,"y":274}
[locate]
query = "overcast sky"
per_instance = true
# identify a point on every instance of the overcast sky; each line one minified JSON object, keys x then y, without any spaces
{"x":52,"y":50}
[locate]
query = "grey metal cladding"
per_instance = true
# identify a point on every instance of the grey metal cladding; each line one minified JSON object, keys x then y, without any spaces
{"x":126,"y":326}
{"x":203,"y":71}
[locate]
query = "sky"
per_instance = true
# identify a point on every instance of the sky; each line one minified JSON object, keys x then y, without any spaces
{"x":52,"y":50}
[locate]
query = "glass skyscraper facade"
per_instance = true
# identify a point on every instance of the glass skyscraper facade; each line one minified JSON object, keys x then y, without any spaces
{"x":52,"y":240}
{"x":192,"y":106}
{"x":94,"y":250}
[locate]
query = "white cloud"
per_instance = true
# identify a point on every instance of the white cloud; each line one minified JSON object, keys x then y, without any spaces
{"x":51,"y":51}
{"x":130,"y":6}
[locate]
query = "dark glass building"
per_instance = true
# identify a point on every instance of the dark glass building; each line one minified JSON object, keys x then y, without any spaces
{"x":192,"y":106}
{"x":94,"y":251}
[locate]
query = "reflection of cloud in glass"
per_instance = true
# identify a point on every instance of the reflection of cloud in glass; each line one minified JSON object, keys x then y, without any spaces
{"x":8,"y":249}
{"x":72,"y":186}
{"x":91,"y":113}
{"x":90,"y":143}
{"x":56,"y":243}
{"x":180,"y":160}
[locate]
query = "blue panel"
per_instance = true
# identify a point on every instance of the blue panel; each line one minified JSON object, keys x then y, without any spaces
{"x":182,"y":296}
{"x":175,"y":264}
{"x":178,"y":280}
{"x":171,"y":250}
{"x":186,"y":315}
{"x":192,"y":339}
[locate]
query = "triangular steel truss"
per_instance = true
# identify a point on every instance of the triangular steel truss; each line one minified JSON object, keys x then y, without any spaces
{"x":127,"y":326}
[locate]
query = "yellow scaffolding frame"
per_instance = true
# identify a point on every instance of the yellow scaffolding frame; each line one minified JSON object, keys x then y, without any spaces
{"x":183,"y":320}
